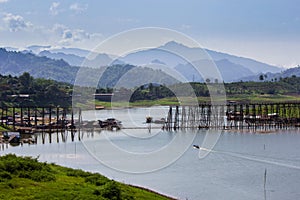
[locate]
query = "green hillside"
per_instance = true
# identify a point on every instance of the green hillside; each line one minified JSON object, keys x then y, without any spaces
{"x":16,"y":63}
{"x":26,"y":178}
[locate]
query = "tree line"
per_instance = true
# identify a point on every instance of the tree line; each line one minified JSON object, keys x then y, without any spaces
{"x":151,"y":91}
{"x":28,"y":91}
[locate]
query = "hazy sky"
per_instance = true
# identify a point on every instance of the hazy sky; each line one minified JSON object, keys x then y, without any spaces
{"x":266,"y":30}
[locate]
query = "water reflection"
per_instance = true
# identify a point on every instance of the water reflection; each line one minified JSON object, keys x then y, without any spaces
{"x":46,"y":137}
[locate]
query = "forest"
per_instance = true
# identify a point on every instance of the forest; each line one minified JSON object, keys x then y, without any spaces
{"x":28,"y":91}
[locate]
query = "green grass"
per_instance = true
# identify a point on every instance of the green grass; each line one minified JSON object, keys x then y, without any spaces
{"x":253,"y":98}
{"x":4,"y":128}
{"x":26,"y":178}
{"x":263,"y":98}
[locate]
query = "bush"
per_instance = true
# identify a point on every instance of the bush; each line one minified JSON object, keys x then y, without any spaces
{"x":39,"y":176}
{"x":77,"y":173}
{"x":97,"y":192}
{"x":96,"y":179}
{"x":111,"y":191}
{"x":4,"y":176}
{"x":42,"y":176}
{"x":25,"y":167}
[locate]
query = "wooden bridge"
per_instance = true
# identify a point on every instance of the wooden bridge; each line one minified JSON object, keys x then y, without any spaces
{"x":35,"y":119}
{"x":228,"y":116}
{"x":234,"y":116}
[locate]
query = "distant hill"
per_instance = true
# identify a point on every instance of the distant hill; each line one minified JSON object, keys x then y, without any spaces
{"x":75,"y":51}
{"x":295,"y":71}
{"x":16,"y":63}
{"x":252,"y":65}
{"x":76,"y":60}
{"x":232,"y":67}
{"x":228,"y":70}
{"x":69,"y":58}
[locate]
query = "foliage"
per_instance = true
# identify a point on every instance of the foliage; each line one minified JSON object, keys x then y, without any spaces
{"x":16,"y":63}
{"x":96,"y":179}
{"x":285,"y":86}
{"x":25,"y":178}
{"x":27,"y":91}
{"x":25,"y":168}
{"x":111,"y":190}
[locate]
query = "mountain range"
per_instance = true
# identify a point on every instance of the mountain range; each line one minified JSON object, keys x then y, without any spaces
{"x":16,"y":63}
{"x":232,"y":68}
{"x":62,"y":64}
{"x":295,"y":71}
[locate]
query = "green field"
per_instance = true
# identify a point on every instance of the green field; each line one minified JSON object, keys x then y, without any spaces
{"x":243,"y":98}
{"x":26,"y":178}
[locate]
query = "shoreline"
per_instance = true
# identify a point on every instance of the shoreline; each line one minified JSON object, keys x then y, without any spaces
{"x":61,"y":181}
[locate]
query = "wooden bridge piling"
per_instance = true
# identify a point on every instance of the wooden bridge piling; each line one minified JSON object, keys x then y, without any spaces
{"x":255,"y":116}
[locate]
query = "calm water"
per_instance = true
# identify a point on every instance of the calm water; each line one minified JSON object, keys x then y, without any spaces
{"x":234,"y":169}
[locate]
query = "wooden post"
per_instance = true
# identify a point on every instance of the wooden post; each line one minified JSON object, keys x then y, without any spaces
{"x":183,"y":117}
{"x":57,"y":118}
{"x":176,"y":119}
{"x":28,"y":115}
{"x":35,"y":117}
{"x":2,"y":115}
{"x":169,"y":119}
{"x":14,"y":118}
{"x":21,"y":116}
{"x":50,"y":122}
{"x":43,"y":117}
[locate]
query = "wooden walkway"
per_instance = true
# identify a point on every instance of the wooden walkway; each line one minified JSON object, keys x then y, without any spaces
{"x":33,"y":119}
{"x":230,"y":116}
{"x":234,"y":116}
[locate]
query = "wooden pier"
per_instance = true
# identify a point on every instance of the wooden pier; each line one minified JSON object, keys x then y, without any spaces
{"x":28,"y":120}
{"x":39,"y":119}
{"x":234,"y":116}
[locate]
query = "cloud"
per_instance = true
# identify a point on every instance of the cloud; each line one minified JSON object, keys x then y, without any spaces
{"x":68,"y":36}
{"x":127,"y":20}
{"x":3,"y":1}
{"x":54,"y":10}
{"x":15,"y":22}
{"x":72,"y":36}
{"x":78,"y":8}
{"x":185,"y":27}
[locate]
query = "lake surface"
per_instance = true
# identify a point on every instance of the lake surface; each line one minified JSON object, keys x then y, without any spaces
{"x":167,"y":162}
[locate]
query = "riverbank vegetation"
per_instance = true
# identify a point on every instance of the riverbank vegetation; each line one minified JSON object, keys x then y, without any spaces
{"x":282,"y":90}
{"x":28,"y":91}
{"x":26,"y":178}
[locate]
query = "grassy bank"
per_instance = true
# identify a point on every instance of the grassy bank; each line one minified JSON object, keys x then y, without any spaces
{"x":254,"y":98}
{"x":26,"y":178}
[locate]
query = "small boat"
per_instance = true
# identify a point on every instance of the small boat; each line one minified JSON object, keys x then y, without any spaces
{"x":159,"y":121}
{"x":12,"y":137}
{"x":156,"y":121}
{"x":110,"y":123}
{"x":99,"y":107}
{"x":196,"y":146}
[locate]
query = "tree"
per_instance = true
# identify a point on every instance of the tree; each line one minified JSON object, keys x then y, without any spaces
{"x":261,"y":77}
{"x":25,"y":80}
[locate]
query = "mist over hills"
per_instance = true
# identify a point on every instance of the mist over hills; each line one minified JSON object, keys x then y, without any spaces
{"x":62,"y":64}
{"x":16,"y":63}
{"x":226,"y":68}
{"x":172,"y":54}
{"x":165,"y":54}
{"x":294,"y":71}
